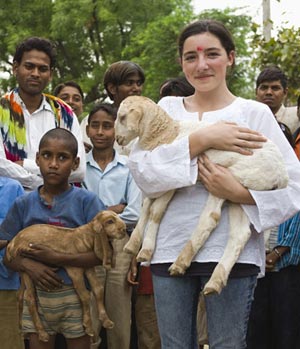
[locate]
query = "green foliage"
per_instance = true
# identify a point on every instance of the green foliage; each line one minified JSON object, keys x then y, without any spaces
{"x":155,"y":49}
{"x":282,"y":51}
{"x":238,"y":25}
{"x":92,"y":34}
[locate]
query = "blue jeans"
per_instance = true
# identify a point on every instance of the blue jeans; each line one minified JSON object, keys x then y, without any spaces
{"x":176,"y":300}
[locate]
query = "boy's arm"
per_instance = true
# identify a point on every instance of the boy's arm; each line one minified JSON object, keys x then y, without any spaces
{"x":3,"y":243}
{"x":41,"y":274}
{"x":47,"y":255}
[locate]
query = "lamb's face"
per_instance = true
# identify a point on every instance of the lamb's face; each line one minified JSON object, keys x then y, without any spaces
{"x":113,"y":225}
{"x":128,"y":119}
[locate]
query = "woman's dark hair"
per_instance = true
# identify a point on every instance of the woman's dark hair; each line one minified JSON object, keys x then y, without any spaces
{"x":36,"y":43}
{"x":106,"y":107}
{"x":207,"y":26}
{"x":70,"y":83}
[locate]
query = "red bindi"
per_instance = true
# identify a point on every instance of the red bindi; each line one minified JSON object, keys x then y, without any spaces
{"x":199,"y":48}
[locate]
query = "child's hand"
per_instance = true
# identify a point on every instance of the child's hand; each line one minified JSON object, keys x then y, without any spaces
{"x":42,"y":276}
{"x":41,"y":253}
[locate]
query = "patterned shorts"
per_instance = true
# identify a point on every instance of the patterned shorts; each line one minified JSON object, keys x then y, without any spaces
{"x":60,"y":312}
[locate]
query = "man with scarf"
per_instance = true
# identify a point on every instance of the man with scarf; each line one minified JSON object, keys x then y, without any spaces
{"x":26,"y":113}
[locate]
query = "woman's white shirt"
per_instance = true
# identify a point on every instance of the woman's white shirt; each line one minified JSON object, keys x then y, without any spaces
{"x":169,"y":167}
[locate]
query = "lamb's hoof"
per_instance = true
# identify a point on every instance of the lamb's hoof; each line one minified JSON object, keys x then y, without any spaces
{"x":108,"y":324}
{"x":43,"y":336}
{"x":107,"y":266}
{"x":211,"y":288}
{"x":131,"y":247}
{"x":144,"y":255}
{"x":176,"y":269}
{"x":90,"y":332}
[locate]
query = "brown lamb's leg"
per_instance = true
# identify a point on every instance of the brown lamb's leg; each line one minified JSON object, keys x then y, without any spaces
{"x":77,"y":277}
{"x":30,"y":298}
{"x":98,"y":291}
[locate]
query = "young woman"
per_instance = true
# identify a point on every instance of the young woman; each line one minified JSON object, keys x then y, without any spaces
{"x":207,"y":51}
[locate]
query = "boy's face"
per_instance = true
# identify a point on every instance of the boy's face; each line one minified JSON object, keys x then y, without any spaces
{"x":56,"y":162}
{"x":33,"y":73}
{"x":130,"y":87}
{"x":72,"y":96}
{"x":101,"y":130}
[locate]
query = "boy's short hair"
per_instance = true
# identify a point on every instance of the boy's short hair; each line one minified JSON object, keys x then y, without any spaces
{"x":61,"y":133}
{"x":106,"y":107}
{"x":36,"y":43}
{"x":70,"y":83}
{"x":118,"y":72}
{"x":272,"y":73}
{"x":178,"y":86}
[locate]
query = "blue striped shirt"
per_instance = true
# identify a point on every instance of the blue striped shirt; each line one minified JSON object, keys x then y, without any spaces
{"x":289,"y":235}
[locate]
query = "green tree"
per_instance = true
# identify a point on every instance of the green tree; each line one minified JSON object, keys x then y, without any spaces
{"x":238,"y":25}
{"x":89,"y":34}
{"x":283,"y":51}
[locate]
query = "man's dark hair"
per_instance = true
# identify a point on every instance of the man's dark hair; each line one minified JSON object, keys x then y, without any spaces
{"x":118,"y":72}
{"x":61,"y":134}
{"x":272,"y":73}
{"x":36,"y":43}
{"x":70,"y":83}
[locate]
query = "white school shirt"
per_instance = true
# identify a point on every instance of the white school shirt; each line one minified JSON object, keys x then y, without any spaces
{"x":37,"y":124}
{"x":169,"y":167}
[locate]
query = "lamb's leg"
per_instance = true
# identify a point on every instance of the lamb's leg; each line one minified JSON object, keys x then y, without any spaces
{"x":134,"y":243}
{"x":77,"y":277}
{"x":209,"y":219}
{"x":98,"y":291}
{"x":238,"y":236}
{"x":157,"y":210}
{"x":20,"y":297}
{"x":30,"y":298}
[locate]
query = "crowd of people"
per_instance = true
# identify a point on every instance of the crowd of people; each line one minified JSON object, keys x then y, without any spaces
{"x":60,"y":167}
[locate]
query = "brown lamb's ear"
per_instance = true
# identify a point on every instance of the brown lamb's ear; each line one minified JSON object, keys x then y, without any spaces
{"x":102,"y":247}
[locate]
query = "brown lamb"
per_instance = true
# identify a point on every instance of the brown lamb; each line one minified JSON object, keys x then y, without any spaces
{"x":94,"y":236}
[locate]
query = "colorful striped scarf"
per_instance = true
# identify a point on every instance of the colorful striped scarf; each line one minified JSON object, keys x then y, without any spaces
{"x":12,"y":123}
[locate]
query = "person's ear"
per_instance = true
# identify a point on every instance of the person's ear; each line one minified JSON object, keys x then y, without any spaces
{"x":76,"y":163}
{"x":112,"y":88}
{"x":87,"y":128}
{"x":37,"y":158}
{"x":15,"y":67}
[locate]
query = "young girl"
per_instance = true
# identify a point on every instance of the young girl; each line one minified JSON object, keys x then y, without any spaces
{"x":207,"y":51}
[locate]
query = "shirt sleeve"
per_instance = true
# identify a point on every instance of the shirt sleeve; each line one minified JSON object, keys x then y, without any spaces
{"x":132,"y":210}
{"x":78,"y":175}
{"x":9,"y":169}
{"x":273,"y":207}
{"x":165,"y":168}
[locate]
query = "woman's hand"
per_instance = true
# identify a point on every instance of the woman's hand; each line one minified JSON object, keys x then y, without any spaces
{"x":225,"y":136}
{"x":220,"y":182}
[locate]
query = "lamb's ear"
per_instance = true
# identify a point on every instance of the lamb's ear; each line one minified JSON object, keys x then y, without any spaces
{"x":97,"y":224}
{"x":134,"y":117}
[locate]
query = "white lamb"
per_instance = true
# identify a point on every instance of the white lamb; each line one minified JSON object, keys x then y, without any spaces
{"x":264,"y":170}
